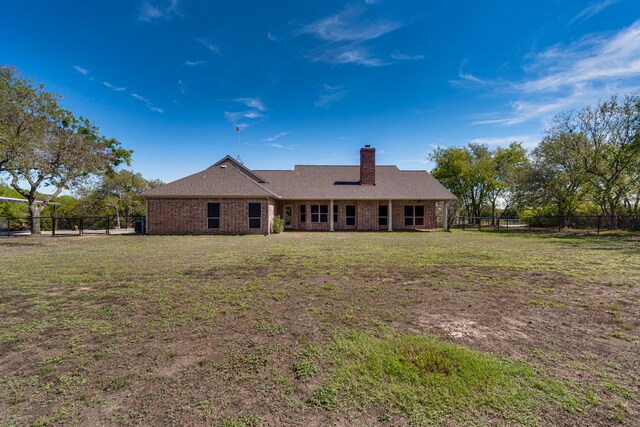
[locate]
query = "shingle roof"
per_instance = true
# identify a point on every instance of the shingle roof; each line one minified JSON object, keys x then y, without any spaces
{"x":225,"y":178}
{"x":305,"y":182}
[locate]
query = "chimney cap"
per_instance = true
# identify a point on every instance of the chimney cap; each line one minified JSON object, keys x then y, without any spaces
{"x":367,"y":146}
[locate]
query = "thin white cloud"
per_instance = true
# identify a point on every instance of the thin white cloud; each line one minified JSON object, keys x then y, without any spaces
{"x":234,"y":116}
{"x":147,"y":103}
{"x":190,"y":63}
{"x":569,"y":76}
{"x":281,"y":147}
{"x":348,"y":54}
{"x":347,"y":26}
{"x":358,"y":56}
{"x":112,"y":87}
{"x":255,"y":103}
{"x":248,"y":117}
{"x":524,"y":111}
{"x":209,"y":46}
{"x":81,"y":70}
{"x":591,"y":10}
{"x":345,"y":33}
{"x":275,"y":137}
{"x":526,"y":140}
{"x":329,"y":95}
{"x":150,"y":11}
{"x":595,"y":58}
{"x":181,"y":88}
{"x":466,"y":78}
{"x":399,"y":56}
{"x":272,"y":37}
{"x":140,"y":98}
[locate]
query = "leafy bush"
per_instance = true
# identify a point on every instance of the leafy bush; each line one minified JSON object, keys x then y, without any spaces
{"x":278,"y":225}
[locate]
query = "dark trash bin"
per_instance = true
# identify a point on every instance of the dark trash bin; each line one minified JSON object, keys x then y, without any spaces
{"x":139,"y":226}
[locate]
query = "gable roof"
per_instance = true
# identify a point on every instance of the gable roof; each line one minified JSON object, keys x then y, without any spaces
{"x":230,"y":178}
{"x":226,"y":177}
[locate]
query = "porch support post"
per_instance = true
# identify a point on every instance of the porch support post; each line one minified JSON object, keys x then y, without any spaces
{"x":390,"y":217}
{"x":331,"y":215}
{"x":445,"y":220}
{"x":269,"y":217}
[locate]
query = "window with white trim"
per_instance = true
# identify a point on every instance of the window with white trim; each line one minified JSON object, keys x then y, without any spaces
{"x":255,"y":215}
{"x":350,"y":215}
{"x":414,"y":215}
{"x":303,"y":213}
{"x":319,"y":213}
{"x":213,"y":215}
{"x":383,"y":215}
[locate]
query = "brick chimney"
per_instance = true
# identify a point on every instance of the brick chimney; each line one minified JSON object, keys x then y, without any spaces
{"x":367,"y":165}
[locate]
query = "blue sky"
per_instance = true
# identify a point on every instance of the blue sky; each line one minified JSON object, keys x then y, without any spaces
{"x":311,"y":82}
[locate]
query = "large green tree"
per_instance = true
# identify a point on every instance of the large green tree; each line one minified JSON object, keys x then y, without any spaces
{"x":605,"y":139}
{"x":119,"y":193}
{"x":466,"y":172}
{"x":44,"y":145}
{"x":479,"y":176}
{"x":509,"y":166}
{"x":556,"y":177}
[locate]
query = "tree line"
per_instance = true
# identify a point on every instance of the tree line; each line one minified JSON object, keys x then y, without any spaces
{"x":47,"y":152}
{"x":587,"y":163}
{"x":115,"y":194}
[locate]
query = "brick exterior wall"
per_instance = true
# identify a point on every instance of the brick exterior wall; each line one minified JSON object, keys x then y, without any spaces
{"x":189,"y":216}
{"x":367,"y":215}
{"x":367,"y":166}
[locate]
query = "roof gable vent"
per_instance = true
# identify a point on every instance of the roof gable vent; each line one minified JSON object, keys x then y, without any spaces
{"x":223,"y":166}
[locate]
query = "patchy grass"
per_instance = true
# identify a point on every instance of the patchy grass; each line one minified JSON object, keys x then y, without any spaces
{"x":432,"y":382}
{"x":320,"y":328}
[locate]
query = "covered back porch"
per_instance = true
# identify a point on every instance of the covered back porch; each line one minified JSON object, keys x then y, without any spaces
{"x":359,"y":215}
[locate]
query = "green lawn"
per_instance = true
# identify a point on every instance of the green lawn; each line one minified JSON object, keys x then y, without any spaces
{"x":461,"y":328}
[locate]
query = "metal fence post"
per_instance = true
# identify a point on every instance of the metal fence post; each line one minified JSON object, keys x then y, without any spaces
{"x":81,"y":225}
{"x":108,"y":224}
{"x":480,"y":223}
{"x":53,"y":226}
{"x":8,"y":227}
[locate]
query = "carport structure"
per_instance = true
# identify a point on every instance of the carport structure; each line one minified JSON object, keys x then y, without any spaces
{"x":5,"y":223}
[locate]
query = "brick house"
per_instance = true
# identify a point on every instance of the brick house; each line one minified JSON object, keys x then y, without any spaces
{"x":229,"y":198}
